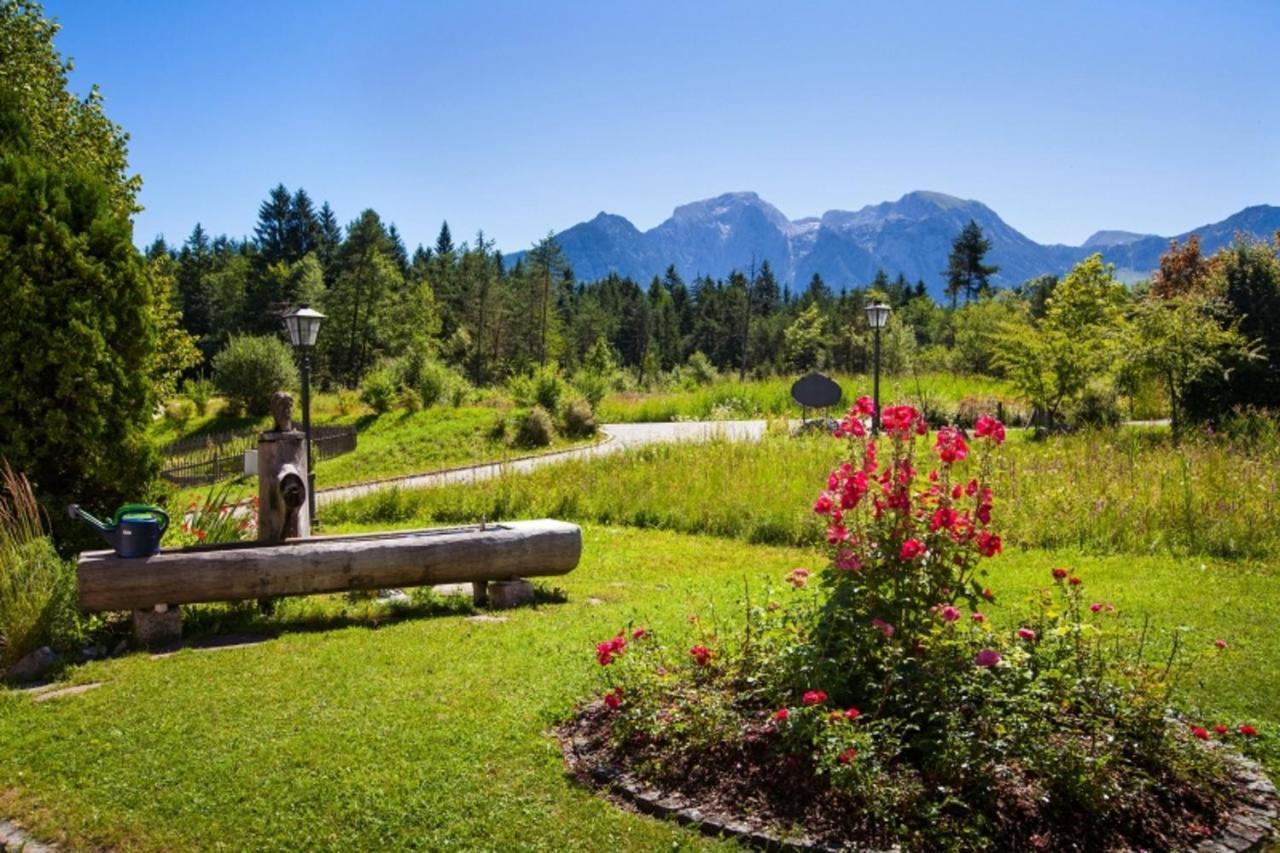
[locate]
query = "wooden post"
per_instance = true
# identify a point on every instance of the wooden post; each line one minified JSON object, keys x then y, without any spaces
{"x":282,"y":487}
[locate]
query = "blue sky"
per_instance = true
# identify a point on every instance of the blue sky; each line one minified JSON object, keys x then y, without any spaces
{"x":520,"y":118}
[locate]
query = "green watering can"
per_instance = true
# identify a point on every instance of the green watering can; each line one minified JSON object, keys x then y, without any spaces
{"x":135,"y":530}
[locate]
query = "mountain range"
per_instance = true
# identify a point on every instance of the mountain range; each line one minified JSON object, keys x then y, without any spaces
{"x":911,"y":236}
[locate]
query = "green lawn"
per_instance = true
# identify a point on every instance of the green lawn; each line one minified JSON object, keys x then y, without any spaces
{"x":431,"y":731}
{"x":395,"y":444}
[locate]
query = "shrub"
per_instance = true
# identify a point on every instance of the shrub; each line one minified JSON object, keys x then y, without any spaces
{"x":409,"y":400}
{"x":37,"y":588}
{"x":700,"y":368}
{"x":347,"y":401}
{"x":378,"y":391}
{"x":535,"y":429}
{"x":579,"y":419}
{"x":1097,"y":406}
{"x":200,"y":391}
{"x":250,"y":369}
{"x":592,"y":386}
{"x":179,"y":411}
{"x":548,"y":387}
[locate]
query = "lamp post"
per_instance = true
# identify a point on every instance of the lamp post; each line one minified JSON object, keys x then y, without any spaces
{"x":303,"y":324}
{"x":877,"y":317}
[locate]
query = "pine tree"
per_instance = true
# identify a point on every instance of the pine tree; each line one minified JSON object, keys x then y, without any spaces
{"x":549,"y":265}
{"x":275,"y":217}
{"x":330,"y":237}
{"x":444,"y":242}
{"x":304,"y":231}
{"x":966,"y":273}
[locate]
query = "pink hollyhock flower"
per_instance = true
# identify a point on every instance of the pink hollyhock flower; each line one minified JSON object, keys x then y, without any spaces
{"x":613,"y":699}
{"x":1200,"y":732}
{"x":978,"y":617}
{"x":865,"y":406}
{"x":943,"y":517}
{"x":848,"y":756}
{"x":1248,"y":731}
{"x":882,"y":626}
{"x":847,"y":561}
{"x":798,"y":577}
{"x":987,"y":658}
{"x":911,"y":549}
{"x":1220,"y":729}
{"x":988,"y":427}
{"x":814,"y":697}
{"x":782,"y":715}
{"x":1026,"y":634}
{"x":1222,"y":644}
{"x":950,"y":613}
{"x":701,"y":654}
{"x":950,"y":446}
{"x":638,"y":633}
{"x":972,"y":488}
{"x":988,"y":544}
{"x":823,"y":504}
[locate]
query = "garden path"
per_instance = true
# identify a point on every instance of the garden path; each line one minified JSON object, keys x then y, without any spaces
{"x":618,"y":437}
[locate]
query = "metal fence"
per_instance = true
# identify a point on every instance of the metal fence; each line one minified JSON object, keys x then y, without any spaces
{"x":200,"y":460}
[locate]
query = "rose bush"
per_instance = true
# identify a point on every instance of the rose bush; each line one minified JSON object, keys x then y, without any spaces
{"x":880,"y":679}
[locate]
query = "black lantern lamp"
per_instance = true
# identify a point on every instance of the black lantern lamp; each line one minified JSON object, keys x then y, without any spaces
{"x":303,"y":324}
{"x":877,"y":319}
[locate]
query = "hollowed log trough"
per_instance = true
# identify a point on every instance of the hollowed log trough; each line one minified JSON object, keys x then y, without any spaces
{"x":480,"y":554}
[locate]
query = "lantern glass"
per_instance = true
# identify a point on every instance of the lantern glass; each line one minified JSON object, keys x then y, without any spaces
{"x":878,"y":315}
{"x":303,"y":324}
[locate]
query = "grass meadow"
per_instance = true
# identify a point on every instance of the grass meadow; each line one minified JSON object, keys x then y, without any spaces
{"x":727,"y":399}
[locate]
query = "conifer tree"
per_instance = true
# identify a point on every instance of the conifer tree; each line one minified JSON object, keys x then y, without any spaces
{"x":966,"y":272}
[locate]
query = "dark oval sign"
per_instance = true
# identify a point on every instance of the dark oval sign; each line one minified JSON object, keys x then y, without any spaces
{"x":816,"y":391}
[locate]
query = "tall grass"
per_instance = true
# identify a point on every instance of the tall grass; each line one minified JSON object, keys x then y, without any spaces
{"x":1123,"y":491}
{"x":772,"y":397}
{"x":36,"y":587}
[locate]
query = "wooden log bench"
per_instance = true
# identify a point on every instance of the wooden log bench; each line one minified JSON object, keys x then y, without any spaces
{"x":495,"y":558}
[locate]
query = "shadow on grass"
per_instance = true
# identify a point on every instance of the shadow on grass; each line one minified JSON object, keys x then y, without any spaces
{"x":208,"y":626}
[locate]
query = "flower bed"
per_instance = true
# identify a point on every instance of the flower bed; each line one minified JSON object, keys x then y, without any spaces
{"x":874,"y":704}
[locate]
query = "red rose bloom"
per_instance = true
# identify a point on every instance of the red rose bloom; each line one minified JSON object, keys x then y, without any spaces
{"x":782,"y":715}
{"x":814,"y":697}
{"x":1220,"y":729}
{"x":988,"y":544}
{"x":911,"y":549}
{"x":1248,"y":731}
{"x":1200,"y":732}
{"x":701,"y":654}
{"x":847,"y":756}
{"x":613,"y":699}
{"x":852,"y":714}
{"x":1059,"y":574}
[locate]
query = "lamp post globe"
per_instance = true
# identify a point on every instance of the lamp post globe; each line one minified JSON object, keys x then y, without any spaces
{"x":877,"y":319}
{"x":303,"y":326}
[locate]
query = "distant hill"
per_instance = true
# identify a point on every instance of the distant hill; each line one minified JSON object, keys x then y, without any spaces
{"x":911,"y":236}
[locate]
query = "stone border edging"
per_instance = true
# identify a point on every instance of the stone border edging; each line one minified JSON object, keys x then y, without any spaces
{"x":1250,"y":826}
{"x":15,"y":838}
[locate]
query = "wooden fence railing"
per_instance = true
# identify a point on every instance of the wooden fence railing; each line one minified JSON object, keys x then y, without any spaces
{"x":201,"y":460}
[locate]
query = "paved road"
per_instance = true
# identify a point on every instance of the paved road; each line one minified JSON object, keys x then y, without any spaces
{"x":618,"y":437}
